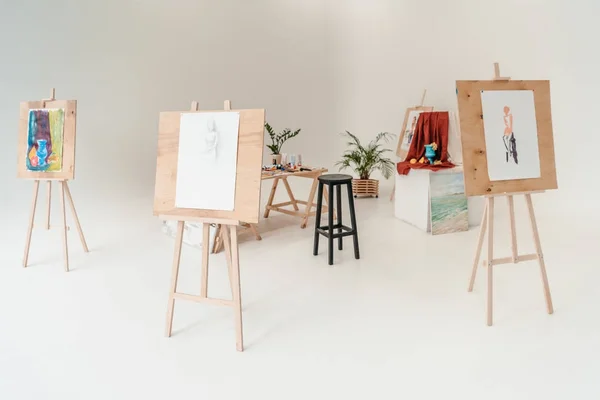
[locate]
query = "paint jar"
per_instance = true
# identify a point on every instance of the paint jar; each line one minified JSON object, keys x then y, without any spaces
{"x":292,"y":159}
{"x":284,"y":158}
{"x":299,"y":160}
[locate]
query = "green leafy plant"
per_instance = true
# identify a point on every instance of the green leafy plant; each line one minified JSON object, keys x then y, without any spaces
{"x":278,"y":139}
{"x":366,"y":159}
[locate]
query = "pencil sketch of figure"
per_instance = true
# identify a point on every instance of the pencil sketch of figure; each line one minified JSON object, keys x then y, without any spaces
{"x":510,"y":143}
{"x":211,"y":140}
{"x":411,"y":133}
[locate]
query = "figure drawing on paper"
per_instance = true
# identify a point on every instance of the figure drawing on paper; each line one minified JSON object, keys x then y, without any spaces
{"x":510,"y":143}
{"x":409,"y":131}
{"x":211,"y":139}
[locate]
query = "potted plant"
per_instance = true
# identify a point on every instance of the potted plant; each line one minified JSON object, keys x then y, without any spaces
{"x":277,"y":140}
{"x":364,"y":160}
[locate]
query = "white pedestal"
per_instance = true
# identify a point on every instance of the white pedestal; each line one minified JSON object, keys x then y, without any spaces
{"x":412,"y":199}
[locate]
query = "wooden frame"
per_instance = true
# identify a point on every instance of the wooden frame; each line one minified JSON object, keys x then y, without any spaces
{"x":477,"y":181}
{"x":487,"y":229}
{"x":68,"y":160}
{"x":249,"y":162}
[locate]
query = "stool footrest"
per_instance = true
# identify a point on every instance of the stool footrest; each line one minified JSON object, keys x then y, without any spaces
{"x":325,"y":231}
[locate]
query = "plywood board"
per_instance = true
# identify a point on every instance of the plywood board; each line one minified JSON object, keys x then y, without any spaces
{"x":408,"y":127}
{"x":473,"y":138}
{"x":248,"y":168}
{"x":46,"y":147}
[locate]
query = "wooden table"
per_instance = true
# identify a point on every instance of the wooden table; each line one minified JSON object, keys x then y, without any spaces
{"x":304,"y":214}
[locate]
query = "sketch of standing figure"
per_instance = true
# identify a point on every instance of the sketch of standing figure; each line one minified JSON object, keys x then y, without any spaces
{"x":211,"y":140}
{"x":411,"y":133}
{"x":510,"y":143}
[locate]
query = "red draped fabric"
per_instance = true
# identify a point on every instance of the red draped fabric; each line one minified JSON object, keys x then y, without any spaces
{"x":431,"y":127}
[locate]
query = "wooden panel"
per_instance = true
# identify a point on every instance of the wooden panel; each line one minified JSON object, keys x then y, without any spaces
{"x":399,"y":152}
{"x":477,"y":181}
{"x":248,"y":175}
{"x":68,"y":162}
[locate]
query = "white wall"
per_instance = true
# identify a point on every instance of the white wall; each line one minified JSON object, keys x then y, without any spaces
{"x":125,"y":61}
{"x":322,"y":66}
{"x":388,"y":51}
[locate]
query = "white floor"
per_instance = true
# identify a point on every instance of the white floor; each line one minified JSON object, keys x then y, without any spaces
{"x":398,"y":324}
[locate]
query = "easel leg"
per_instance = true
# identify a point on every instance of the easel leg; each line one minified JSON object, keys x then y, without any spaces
{"x":255,"y":231}
{"x":226,"y":239}
{"x":48,"y":205}
{"x":205,"y":256}
{"x":237,"y":295}
{"x":309,"y":202}
{"x":271,"y":197}
{"x":538,"y":250}
{"x":490,"y":258}
{"x":174,"y":276}
{"x":482,"y":228}
{"x":64,"y":223}
{"x":513,"y":230}
{"x":36,"y":187}
{"x":393,"y":194}
{"x":77,"y":224}
{"x":290,"y":194}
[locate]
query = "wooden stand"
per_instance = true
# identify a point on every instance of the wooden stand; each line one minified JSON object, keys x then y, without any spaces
{"x":227,"y":235}
{"x":309,"y":203}
{"x":64,"y":192}
{"x":421,"y":105}
{"x":487,"y":228}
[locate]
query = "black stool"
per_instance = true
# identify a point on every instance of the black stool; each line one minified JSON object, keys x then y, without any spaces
{"x":335,"y":181}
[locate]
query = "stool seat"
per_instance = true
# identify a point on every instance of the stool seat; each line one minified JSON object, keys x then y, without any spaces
{"x":335,"y":178}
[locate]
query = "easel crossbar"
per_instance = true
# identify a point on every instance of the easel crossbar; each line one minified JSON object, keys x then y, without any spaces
{"x":509,"y":260}
{"x":206,"y":300}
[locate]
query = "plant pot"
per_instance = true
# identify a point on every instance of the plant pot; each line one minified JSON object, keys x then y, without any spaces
{"x":276,"y":159}
{"x":365,"y":187}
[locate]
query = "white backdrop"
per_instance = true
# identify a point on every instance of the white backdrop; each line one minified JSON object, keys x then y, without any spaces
{"x":321,"y":66}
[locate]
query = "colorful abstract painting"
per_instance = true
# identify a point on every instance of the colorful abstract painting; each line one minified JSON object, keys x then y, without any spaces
{"x":449,"y":211}
{"x":45,"y":137}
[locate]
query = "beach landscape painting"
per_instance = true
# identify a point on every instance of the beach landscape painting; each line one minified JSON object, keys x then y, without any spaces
{"x":449,"y":211}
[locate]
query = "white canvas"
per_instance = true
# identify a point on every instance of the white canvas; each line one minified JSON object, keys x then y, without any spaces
{"x":509,"y":124}
{"x":207,"y":161}
{"x":409,"y":131}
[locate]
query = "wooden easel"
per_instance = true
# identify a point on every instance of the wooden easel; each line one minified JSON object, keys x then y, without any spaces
{"x":487,"y":228}
{"x":227,"y":232}
{"x":64,"y":190}
{"x":421,"y":105}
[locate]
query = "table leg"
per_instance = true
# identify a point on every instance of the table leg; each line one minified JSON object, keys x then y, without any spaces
{"x":271,"y":197}
{"x":309,"y":202}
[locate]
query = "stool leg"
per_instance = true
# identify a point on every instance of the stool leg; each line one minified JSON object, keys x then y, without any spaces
{"x":318,"y":219}
{"x":338,"y":193}
{"x":353,"y":220}
{"x":330,"y":227}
